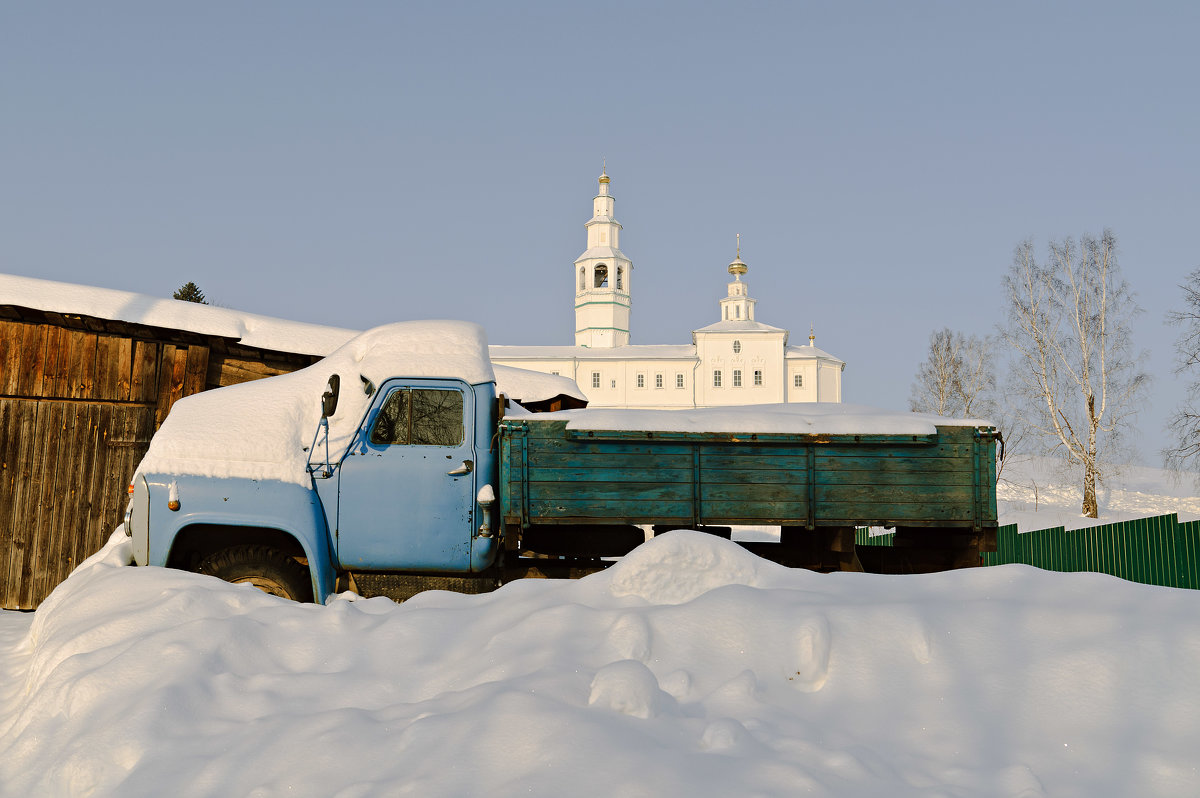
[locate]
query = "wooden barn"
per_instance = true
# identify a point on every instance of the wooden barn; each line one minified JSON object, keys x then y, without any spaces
{"x":86,"y":377}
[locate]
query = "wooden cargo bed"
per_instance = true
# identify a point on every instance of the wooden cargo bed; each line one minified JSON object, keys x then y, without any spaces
{"x":552,"y":475}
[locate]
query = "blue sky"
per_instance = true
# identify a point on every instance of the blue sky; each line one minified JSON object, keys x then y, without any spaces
{"x":358,"y":163}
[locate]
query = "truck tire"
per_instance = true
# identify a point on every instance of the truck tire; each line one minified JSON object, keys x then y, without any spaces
{"x":268,"y":569}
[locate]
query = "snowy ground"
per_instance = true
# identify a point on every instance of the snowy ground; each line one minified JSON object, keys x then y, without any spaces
{"x":1037,"y":493}
{"x":691,"y":668}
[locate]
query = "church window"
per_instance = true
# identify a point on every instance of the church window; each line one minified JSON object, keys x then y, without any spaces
{"x":658,"y":383}
{"x":555,"y":373}
{"x":737,"y":378}
{"x":620,"y":275}
{"x":641,"y":380}
{"x":614,"y":383}
{"x":739,"y":311}
{"x":798,"y":380}
{"x":716,"y":378}
{"x":678,"y":380}
{"x":582,"y":278}
{"x":737,"y":347}
{"x":595,"y":379}
{"x":758,"y":376}
{"x":601,"y":276}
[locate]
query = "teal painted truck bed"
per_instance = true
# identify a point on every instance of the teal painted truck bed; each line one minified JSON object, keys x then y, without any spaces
{"x":552,"y":475}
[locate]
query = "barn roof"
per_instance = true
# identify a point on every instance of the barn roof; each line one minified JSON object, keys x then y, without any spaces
{"x":248,"y":329}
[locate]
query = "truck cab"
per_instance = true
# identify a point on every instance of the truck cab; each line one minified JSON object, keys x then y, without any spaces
{"x":280,"y":485}
{"x":403,"y":495}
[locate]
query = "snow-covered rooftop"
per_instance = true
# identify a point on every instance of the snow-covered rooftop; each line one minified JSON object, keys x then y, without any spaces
{"x":743,"y":326}
{"x":251,"y":329}
{"x":802,"y":352}
{"x":524,"y":385}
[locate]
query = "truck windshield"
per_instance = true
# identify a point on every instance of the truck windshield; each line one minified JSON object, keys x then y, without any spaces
{"x":420,"y":417}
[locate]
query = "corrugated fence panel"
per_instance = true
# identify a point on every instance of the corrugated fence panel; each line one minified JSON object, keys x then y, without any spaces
{"x":862,"y":537}
{"x":1153,"y":551}
{"x":1187,"y":545}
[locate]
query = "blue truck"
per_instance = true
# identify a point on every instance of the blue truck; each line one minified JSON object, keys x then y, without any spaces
{"x":417,"y":475}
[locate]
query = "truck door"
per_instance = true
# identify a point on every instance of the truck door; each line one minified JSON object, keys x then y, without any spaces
{"x":406,"y":494}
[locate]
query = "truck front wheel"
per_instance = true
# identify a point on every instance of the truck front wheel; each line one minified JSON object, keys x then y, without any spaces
{"x":268,"y":569}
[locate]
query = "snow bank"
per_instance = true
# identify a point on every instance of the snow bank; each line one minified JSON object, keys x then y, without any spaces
{"x":259,"y":430}
{"x":815,"y":418}
{"x":688,"y":669}
{"x":250,"y":329}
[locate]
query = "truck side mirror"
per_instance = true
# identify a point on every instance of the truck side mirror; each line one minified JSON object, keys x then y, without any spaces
{"x":329,"y":399}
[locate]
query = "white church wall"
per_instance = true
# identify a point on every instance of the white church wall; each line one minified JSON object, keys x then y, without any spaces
{"x":829,"y":383}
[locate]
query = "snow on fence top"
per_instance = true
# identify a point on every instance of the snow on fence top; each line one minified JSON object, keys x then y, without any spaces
{"x":259,"y":430}
{"x":810,"y":418}
{"x":250,"y":329}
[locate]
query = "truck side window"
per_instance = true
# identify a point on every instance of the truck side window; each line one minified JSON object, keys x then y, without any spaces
{"x":420,"y":417}
{"x":391,"y":425}
{"x":437,"y":418}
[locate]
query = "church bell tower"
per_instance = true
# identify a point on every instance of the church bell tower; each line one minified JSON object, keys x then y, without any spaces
{"x":602,"y":279}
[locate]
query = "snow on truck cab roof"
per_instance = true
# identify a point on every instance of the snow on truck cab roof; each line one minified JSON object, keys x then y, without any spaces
{"x":261,"y":429}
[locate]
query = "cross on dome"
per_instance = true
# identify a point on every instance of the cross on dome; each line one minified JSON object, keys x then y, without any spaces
{"x":738,"y":267}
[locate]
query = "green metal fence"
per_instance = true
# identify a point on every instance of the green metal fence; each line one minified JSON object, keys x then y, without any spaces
{"x":1153,"y":551}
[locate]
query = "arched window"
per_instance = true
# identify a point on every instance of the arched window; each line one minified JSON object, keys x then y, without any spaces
{"x":737,"y":347}
{"x":601,"y":276}
{"x":620,"y":275}
{"x":582,"y":278}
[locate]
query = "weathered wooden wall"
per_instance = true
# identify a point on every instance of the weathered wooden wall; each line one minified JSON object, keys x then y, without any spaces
{"x":79,"y":401}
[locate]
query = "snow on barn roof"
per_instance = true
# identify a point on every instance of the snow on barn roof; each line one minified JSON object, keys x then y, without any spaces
{"x":250,"y":329}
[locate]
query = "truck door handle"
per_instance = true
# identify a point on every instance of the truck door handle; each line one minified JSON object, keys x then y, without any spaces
{"x":466,"y":468}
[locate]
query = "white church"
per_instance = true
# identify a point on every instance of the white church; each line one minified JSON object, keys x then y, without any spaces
{"x":736,"y":360}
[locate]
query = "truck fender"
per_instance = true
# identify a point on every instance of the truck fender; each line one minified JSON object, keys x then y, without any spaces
{"x":208,"y":505}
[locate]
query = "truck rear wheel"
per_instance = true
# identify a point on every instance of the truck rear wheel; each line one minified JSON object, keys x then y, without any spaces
{"x":268,"y":569}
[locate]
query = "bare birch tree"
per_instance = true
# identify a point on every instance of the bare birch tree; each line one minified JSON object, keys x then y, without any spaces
{"x":1185,"y":421}
{"x":1069,"y":326}
{"x":957,"y":377}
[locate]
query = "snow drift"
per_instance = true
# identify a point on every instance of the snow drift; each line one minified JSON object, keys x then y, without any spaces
{"x":690,"y":668}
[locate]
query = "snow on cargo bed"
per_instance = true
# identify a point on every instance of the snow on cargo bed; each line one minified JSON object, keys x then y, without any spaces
{"x":809,"y":418}
{"x":260,"y":430}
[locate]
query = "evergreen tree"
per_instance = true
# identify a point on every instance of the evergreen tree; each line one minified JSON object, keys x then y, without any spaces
{"x":190,"y":292}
